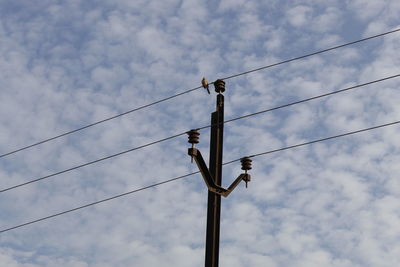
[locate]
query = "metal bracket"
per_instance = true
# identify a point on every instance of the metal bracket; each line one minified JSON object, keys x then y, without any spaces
{"x":209,"y":180}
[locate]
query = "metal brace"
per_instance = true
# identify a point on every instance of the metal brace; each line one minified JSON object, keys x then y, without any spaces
{"x":209,"y":180}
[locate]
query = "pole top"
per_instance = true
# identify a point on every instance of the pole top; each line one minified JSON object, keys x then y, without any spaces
{"x":219,"y":86}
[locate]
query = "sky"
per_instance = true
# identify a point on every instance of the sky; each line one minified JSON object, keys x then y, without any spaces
{"x":66,"y":64}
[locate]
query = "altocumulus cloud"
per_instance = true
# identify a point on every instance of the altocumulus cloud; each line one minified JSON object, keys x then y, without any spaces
{"x":64,"y":64}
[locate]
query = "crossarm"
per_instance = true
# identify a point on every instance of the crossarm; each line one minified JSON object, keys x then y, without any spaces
{"x":209,"y":180}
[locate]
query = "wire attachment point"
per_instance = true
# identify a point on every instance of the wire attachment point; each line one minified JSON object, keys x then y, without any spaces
{"x":246,"y":165}
{"x":219,"y":86}
{"x":193,"y":138}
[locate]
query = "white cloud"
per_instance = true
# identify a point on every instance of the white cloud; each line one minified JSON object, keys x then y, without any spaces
{"x":299,"y":15}
{"x":330,"y":204}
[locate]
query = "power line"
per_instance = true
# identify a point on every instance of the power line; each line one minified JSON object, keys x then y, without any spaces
{"x":90,"y":162}
{"x":98,"y":122}
{"x":309,"y":55}
{"x":307,"y":99}
{"x":183,"y":133}
{"x":193,"y":89}
{"x":317,"y":141}
{"x":97,"y":202}
{"x":190,"y":174}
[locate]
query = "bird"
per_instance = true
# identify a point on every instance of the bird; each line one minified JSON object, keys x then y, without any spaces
{"x":204,"y":82}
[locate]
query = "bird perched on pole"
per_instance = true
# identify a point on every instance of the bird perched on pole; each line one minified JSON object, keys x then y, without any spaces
{"x":204,"y":82}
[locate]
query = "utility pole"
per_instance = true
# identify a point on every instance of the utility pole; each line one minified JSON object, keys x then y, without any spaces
{"x":213,"y":175}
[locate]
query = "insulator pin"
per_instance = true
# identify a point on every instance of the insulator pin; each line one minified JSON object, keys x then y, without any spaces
{"x":193,"y":136}
{"x":219,"y":86}
{"x":247,"y":179}
{"x":246,"y":163}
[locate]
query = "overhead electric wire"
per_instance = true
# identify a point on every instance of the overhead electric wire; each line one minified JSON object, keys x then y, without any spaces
{"x":97,"y":122}
{"x":309,"y":55}
{"x":190,"y":174}
{"x":90,"y":163}
{"x":196,"y":88}
{"x":97,"y":202}
{"x":317,"y":141}
{"x":183,"y":133}
{"x":307,"y":99}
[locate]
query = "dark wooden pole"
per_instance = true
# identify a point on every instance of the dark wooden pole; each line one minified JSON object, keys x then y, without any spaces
{"x":215,"y":167}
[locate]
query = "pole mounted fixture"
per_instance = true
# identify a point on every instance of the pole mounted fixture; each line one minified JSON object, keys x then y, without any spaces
{"x":219,"y":86}
{"x":194,"y":137}
{"x":212,"y":175}
{"x":209,"y":179}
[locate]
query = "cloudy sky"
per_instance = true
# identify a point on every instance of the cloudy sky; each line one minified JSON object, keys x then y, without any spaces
{"x":65,"y":64}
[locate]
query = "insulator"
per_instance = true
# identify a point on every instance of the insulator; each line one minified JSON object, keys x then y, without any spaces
{"x":246,"y":163}
{"x":219,"y":86}
{"x":193,"y":136}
